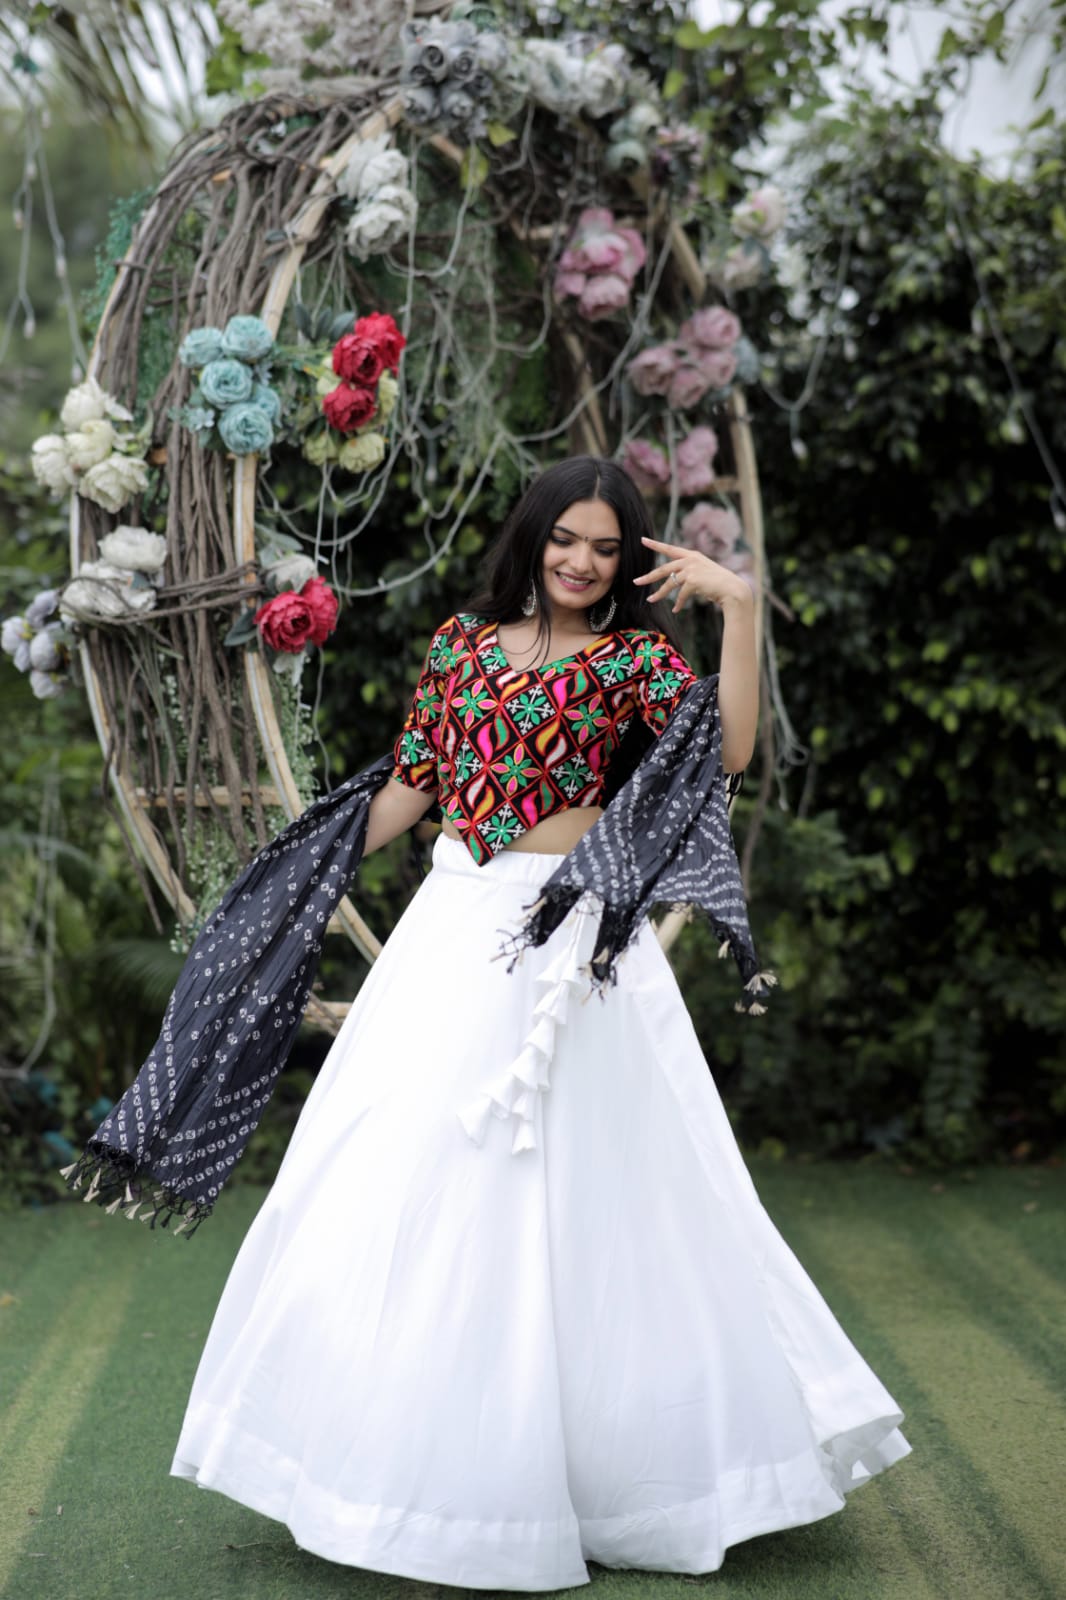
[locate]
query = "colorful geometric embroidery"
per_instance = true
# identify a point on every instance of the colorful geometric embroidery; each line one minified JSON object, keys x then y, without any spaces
{"x":504,"y":749}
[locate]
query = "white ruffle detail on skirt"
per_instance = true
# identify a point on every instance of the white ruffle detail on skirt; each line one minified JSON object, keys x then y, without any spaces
{"x":434,"y":1360}
{"x":513,"y":1092}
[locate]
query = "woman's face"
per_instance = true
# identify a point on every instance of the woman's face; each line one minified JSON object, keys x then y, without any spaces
{"x":581,"y":555}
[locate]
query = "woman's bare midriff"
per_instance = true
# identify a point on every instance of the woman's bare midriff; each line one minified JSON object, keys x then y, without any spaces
{"x":555,"y":836}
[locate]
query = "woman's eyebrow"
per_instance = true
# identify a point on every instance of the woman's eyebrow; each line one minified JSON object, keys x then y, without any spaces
{"x":605,"y":538}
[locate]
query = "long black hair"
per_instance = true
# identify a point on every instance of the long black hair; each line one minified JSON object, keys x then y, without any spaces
{"x":514,"y":564}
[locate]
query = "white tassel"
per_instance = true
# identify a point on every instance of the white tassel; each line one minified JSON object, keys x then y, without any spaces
{"x":723,"y":949}
{"x":65,"y":1172}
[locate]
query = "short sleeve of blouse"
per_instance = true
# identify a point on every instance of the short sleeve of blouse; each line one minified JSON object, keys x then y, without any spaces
{"x":415,"y":751}
{"x":662,"y":677}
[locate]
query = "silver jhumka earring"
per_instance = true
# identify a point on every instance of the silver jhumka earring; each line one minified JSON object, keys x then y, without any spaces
{"x":600,"y":623}
{"x":529,"y":604}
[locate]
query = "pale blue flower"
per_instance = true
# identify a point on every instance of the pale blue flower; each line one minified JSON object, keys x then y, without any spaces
{"x":200,"y":347}
{"x":47,"y":685}
{"x":225,"y":382}
{"x":246,"y":429}
{"x":247,"y":338}
{"x":268,"y":400}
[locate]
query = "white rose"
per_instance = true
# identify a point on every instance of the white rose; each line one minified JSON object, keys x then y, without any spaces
{"x":761,"y":214}
{"x":290,"y":572}
{"x":45,"y":653}
{"x":92,"y":442}
{"x":101,"y":591}
{"x":381,"y":222}
{"x":737,"y":269}
{"x":374,"y":163}
{"x":85,"y":403}
{"x":89,"y":403}
{"x":50,"y":461}
{"x":134,"y":549}
{"x":114,"y":481}
{"x":16,"y":636}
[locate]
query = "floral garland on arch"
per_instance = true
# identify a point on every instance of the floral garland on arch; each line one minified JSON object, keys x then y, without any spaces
{"x":452,"y":365}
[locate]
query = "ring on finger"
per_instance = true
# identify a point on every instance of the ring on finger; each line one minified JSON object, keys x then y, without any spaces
{"x":675,"y":580}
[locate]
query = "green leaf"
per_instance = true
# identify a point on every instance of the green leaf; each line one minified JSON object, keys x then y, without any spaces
{"x":242,"y":631}
{"x":673,"y":83}
{"x":500,"y":134}
{"x":690,"y":36}
{"x":474,"y":168}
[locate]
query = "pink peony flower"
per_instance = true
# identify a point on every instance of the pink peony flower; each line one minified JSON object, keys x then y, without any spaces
{"x":687,"y":387}
{"x":601,"y":296}
{"x":647,"y":465}
{"x":596,"y":217}
{"x":695,"y":457}
{"x":569,"y":283}
{"x":712,"y":530}
{"x":653,"y":369}
{"x":713,"y":328}
{"x":719,"y":367}
{"x":601,"y":252}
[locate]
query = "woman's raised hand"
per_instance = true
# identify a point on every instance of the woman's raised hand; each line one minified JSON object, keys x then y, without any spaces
{"x":689,"y":575}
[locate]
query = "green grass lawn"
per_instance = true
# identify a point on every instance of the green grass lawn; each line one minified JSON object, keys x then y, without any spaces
{"x":954,"y":1291}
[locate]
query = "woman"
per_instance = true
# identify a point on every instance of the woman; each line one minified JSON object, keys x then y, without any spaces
{"x":482,"y":1355}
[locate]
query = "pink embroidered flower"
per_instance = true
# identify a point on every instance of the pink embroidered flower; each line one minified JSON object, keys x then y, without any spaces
{"x":647,"y":465}
{"x":695,"y":458}
{"x":712,"y":530}
{"x":652,"y":371}
{"x":713,"y":328}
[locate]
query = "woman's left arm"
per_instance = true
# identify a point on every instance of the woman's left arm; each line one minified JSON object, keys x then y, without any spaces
{"x":738,"y":680}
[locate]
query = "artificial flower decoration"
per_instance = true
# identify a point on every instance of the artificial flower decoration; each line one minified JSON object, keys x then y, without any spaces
{"x":366,"y":360}
{"x":92,"y":456}
{"x":702,"y":359}
{"x":233,"y":403}
{"x":448,"y":76}
{"x":293,"y":620}
{"x":600,"y":264}
{"x":377,"y":181}
{"x":38,"y":646}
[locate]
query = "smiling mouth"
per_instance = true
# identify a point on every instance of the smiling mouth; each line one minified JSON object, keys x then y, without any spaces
{"x":574,"y":583}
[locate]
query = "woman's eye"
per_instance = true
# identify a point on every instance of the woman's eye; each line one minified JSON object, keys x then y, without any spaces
{"x":555,"y":539}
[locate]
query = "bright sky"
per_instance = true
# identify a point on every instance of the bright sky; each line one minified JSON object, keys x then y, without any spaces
{"x":998,"y":96}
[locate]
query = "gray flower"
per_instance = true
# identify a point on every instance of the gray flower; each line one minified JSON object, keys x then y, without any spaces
{"x":427,"y":63}
{"x":46,"y":654}
{"x":15,"y":636}
{"x":41,"y":607}
{"x":47,"y":685}
{"x":458,"y":106}
{"x":463,"y":63}
{"x":421,"y":106}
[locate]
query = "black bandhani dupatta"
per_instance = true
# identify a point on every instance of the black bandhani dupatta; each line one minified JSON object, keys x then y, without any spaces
{"x":664,"y":840}
{"x":169,"y":1144}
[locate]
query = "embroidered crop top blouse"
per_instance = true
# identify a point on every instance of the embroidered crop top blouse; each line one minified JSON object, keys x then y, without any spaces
{"x":505,"y":748}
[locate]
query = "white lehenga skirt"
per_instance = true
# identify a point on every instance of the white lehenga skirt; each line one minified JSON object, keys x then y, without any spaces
{"x":482,"y":1363}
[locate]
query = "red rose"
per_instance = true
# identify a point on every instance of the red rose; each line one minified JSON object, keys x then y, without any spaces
{"x":381,"y":331}
{"x":317,"y":594}
{"x":287,"y":622}
{"x":359,"y":359}
{"x":347,"y":408}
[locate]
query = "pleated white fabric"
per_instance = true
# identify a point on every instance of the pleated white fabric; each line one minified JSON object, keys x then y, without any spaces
{"x":581,"y":1338}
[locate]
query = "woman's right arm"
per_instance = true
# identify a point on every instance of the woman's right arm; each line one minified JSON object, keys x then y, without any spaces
{"x":393,"y":810}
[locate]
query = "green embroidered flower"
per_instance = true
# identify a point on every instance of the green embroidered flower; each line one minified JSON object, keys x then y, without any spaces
{"x":587,"y":720}
{"x":493,"y":659}
{"x":614,"y":669}
{"x":429,"y":702}
{"x":573,"y":775}
{"x":467,"y":764}
{"x":473,"y":703}
{"x":529,"y":710}
{"x":647,"y":655}
{"x":414,"y":748}
{"x":500,"y":828}
{"x":664,"y":684}
{"x":442,"y":656}
{"x":515,"y":770}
